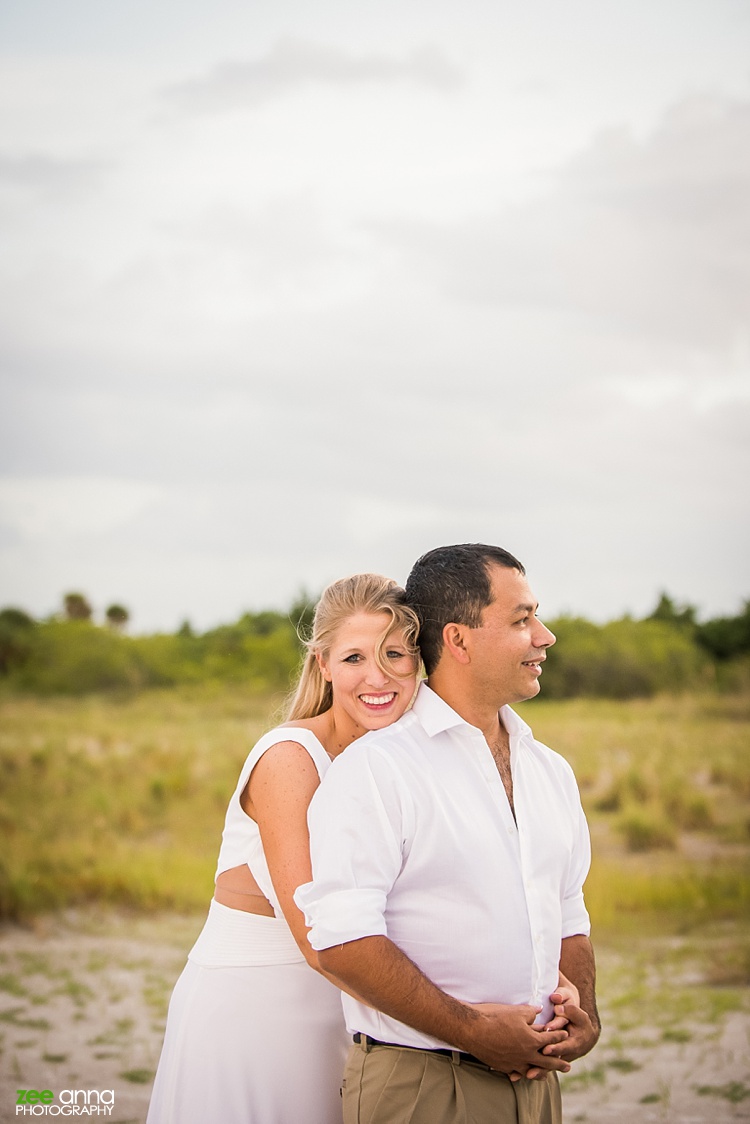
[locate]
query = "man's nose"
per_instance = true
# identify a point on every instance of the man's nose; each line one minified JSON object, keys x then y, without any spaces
{"x":543,"y":637}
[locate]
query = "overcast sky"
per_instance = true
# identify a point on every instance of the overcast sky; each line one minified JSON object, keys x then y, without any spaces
{"x":291,"y":290}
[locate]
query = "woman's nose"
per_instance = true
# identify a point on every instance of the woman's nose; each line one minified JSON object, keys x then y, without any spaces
{"x":376,"y":677}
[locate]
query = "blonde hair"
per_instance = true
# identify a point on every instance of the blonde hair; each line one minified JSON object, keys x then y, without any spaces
{"x":361,"y":593}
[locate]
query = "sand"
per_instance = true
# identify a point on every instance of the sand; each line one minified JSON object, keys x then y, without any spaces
{"x":83,"y":1000}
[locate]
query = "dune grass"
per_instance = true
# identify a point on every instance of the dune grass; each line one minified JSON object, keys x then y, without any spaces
{"x":118,"y":801}
{"x":122,"y":801}
{"x":666,"y":787}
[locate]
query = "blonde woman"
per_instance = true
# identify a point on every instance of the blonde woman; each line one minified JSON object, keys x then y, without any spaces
{"x":253,"y":1036}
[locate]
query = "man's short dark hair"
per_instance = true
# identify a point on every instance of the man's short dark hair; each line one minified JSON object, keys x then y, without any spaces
{"x":452,"y":584}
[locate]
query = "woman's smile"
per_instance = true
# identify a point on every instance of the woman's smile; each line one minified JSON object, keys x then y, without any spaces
{"x":372,"y":672}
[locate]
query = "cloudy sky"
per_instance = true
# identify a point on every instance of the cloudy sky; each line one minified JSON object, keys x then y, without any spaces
{"x":289,"y":290}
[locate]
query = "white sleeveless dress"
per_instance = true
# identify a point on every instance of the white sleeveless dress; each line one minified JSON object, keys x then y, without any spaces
{"x":254,"y":1035}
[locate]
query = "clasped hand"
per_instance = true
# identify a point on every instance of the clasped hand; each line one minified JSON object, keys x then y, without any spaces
{"x":511,"y":1042}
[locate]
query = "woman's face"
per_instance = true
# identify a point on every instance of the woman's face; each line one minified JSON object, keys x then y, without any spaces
{"x":370,"y":697}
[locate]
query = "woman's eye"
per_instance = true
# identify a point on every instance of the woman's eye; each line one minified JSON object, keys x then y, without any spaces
{"x":395,"y":655}
{"x":354,"y":658}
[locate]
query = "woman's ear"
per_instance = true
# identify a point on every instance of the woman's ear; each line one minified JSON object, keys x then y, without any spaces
{"x":454,"y":642}
{"x":323,"y":666}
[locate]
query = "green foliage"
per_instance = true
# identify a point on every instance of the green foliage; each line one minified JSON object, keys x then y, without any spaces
{"x":16,"y":633}
{"x":117,"y":616}
{"x":624,"y":659}
{"x":77,"y":607}
{"x":726,"y":637}
{"x":645,"y":829}
{"x":620,"y":660}
{"x":77,"y":657}
{"x":666,"y":610}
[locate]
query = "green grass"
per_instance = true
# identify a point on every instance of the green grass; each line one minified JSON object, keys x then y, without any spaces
{"x":138,"y":1076}
{"x":665,"y":784}
{"x":122,"y":802}
{"x":735,"y":1091}
{"x":118,"y":802}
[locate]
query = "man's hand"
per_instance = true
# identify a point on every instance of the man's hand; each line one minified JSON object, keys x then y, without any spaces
{"x":565,"y":993}
{"x":582,"y":1035}
{"x":506,"y":1038}
{"x":584,"y":1027}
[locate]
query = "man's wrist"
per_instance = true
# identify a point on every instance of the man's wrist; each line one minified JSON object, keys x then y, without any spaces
{"x":465,"y":1029}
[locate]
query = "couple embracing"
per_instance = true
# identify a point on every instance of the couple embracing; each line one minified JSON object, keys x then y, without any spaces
{"x":434,"y":881}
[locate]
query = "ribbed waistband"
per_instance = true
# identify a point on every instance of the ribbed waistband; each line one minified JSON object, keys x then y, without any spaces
{"x":232,"y":938}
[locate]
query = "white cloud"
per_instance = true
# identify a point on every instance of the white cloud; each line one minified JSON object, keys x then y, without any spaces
{"x":49,"y":174}
{"x":347,"y":317}
{"x":68,"y":507}
{"x":292,"y":64}
{"x":649,"y":237}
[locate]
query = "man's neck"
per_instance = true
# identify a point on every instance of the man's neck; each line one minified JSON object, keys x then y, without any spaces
{"x":476,"y":711}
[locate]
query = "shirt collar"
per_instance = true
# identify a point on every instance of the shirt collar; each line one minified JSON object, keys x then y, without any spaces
{"x":436,"y":716}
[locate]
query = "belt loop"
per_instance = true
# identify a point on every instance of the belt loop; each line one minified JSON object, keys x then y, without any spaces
{"x":365,"y":1043}
{"x":456,"y":1057}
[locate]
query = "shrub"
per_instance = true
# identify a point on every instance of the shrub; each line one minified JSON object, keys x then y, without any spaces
{"x":646,"y":829}
{"x":16,"y":638}
{"x":76,"y":657}
{"x":620,"y":660}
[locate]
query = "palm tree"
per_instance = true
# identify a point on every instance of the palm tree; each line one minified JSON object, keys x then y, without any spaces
{"x":117,"y":616}
{"x":77,"y":607}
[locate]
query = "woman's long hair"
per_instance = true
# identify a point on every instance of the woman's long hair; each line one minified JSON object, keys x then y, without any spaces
{"x":362,"y":593}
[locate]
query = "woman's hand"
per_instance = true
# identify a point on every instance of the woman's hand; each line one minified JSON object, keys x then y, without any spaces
{"x":566,"y":992}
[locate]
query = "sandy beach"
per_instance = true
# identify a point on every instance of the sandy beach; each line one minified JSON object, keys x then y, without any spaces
{"x":83,"y":999}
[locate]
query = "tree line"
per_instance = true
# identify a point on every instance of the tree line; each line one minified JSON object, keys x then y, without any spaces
{"x":68,"y":653}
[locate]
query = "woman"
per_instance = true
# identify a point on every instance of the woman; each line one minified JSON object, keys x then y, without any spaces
{"x":253,"y":1036}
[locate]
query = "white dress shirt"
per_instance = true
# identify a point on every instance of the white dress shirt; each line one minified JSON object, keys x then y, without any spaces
{"x":413,"y":838}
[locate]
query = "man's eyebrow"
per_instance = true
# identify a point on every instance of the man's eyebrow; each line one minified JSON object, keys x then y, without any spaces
{"x":526,"y":608}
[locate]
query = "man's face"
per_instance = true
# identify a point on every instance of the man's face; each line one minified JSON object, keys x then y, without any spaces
{"x":509,"y":647}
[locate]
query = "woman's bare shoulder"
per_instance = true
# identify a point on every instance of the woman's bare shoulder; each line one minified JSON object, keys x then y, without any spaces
{"x":319,"y":725}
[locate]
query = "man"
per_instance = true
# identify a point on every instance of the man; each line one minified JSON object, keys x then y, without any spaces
{"x":449,"y":853}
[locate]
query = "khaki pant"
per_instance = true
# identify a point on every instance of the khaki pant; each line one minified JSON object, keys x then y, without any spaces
{"x":396,"y":1085}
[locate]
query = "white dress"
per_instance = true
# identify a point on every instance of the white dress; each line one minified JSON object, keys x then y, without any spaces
{"x":254,"y":1035}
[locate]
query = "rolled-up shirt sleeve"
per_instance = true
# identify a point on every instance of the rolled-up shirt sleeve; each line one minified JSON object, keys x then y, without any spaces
{"x":356,"y":833}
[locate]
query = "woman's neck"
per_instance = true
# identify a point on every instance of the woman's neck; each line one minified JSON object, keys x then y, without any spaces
{"x":334,"y":730}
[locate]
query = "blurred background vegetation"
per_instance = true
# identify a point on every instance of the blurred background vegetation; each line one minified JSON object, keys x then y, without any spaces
{"x":670,"y":650}
{"x":69,"y":654}
{"x":118,"y":755}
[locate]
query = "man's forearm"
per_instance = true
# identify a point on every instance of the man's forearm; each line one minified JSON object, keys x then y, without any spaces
{"x":500,"y":1034}
{"x":386,"y":978}
{"x":583,"y":1026}
{"x":578,"y":964}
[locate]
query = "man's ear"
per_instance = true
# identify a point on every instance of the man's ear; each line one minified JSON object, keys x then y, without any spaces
{"x":454,"y":642}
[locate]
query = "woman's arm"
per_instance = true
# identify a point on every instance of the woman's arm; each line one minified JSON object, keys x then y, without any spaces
{"x":277,"y":797}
